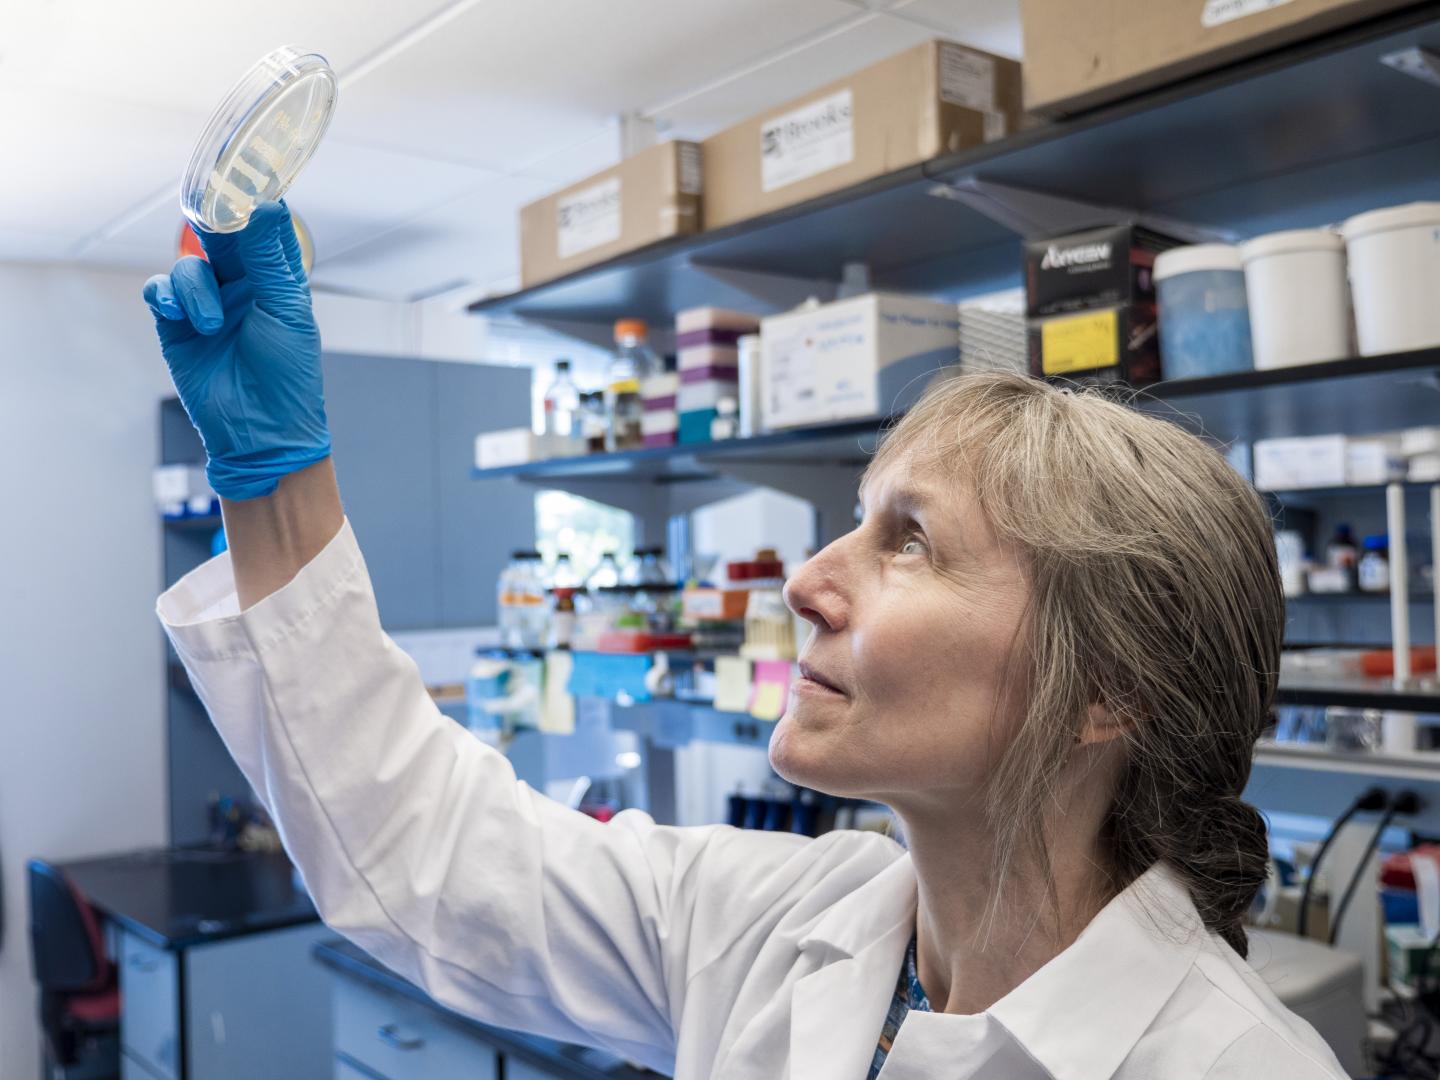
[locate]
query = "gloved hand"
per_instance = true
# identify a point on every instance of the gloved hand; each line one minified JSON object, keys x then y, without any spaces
{"x":244,"y":351}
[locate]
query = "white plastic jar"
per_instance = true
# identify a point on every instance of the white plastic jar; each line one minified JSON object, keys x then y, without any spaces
{"x":1299,"y":299}
{"x":1395,"y":277}
{"x":1204,"y":318}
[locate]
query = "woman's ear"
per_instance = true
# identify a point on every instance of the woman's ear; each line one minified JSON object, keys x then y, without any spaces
{"x":1100,"y":725}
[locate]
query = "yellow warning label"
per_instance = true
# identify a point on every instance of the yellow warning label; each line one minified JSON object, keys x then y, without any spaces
{"x":1080,"y":342}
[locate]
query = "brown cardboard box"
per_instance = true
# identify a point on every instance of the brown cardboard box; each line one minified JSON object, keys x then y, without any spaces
{"x":651,"y":196}
{"x":1083,"y":53}
{"x":929,"y":100}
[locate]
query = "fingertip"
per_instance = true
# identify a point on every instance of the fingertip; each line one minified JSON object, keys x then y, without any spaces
{"x":198,"y":293}
{"x":159,"y":294}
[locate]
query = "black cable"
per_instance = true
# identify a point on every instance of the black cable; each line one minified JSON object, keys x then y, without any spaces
{"x":1406,"y":802}
{"x":1371,"y":799}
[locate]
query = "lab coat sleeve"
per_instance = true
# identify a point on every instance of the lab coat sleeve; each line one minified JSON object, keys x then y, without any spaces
{"x":417,"y":842}
{"x":1261,"y":1053}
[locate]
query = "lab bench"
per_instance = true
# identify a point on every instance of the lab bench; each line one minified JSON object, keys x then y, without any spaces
{"x":387,"y":1028}
{"x":213,"y":951}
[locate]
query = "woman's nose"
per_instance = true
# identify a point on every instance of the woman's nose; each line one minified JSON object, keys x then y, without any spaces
{"x":812,"y":594}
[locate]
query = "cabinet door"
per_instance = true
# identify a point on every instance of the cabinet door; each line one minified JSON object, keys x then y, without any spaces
{"x":401,"y":1039}
{"x":523,"y":1070}
{"x":481,"y":521}
{"x":382,"y":416}
{"x":150,"y":1014}
{"x":258,"y":1006}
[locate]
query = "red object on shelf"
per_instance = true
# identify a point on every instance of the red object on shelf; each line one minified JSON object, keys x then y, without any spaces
{"x":630,"y":641}
{"x":1396,"y":871}
{"x":1381,"y":662}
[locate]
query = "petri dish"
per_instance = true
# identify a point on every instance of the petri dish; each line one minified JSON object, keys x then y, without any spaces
{"x":259,"y":139}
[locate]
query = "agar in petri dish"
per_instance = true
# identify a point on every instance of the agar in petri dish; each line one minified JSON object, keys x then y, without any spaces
{"x":259,"y":139}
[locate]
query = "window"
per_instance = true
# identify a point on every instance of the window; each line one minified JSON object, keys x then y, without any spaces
{"x":585,"y":529}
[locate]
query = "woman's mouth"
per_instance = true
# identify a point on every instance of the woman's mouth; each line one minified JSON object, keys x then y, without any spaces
{"x":812,"y":682}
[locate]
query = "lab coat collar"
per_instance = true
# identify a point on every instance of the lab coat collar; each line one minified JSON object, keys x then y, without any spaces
{"x":1081,"y":1014}
{"x":837,"y":1012}
{"x":1078,"y":1017}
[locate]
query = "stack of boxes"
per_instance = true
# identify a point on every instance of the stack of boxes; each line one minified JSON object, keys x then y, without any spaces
{"x":1090,"y":302}
{"x":661,"y":422}
{"x":709,"y":362}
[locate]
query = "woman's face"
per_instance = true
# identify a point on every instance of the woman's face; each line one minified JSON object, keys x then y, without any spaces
{"x":915,"y":614}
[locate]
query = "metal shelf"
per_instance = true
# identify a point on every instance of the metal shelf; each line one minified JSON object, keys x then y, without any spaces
{"x":1356,"y":692}
{"x":1397,"y":390}
{"x":1308,"y":133}
{"x":198,"y":523}
{"x":1353,"y":597}
{"x":851,"y":442}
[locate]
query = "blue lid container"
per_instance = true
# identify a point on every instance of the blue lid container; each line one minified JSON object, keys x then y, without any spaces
{"x":1204,"y":317}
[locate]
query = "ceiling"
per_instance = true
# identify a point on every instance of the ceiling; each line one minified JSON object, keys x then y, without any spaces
{"x":453,"y":113}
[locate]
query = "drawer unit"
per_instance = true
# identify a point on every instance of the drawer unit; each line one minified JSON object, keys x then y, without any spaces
{"x":523,"y":1070}
{"x":402,"y":1040}
{"x":149,"y":989}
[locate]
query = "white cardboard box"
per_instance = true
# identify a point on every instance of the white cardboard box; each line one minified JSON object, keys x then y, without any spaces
{"x":866,"y":356}
{"x":181,"y":488}
{"x":1284,"y":464}
{"x":1374,"y":460}
{"x":513,"y":446}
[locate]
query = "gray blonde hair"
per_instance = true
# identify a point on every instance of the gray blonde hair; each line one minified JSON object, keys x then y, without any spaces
{"x":1153,"y":588}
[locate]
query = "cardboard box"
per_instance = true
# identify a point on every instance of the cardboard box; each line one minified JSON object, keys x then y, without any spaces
{"x":865,"y":356}
{"x":929,"y":100}
{"x":1090,"y":301}
{"x":651,"y":196}
{"x":1083,"y":53}
{"x":1301,"y":462}
{"x":512,"y":446}
{"x":1112,"y":345}
{"x":1096,"y":268}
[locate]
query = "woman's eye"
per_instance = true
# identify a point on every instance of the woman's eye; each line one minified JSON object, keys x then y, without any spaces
{"x":914,"y":543}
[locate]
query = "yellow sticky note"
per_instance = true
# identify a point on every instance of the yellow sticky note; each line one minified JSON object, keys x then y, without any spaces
{"x":557,"y":712}
{"x":1080,"y":342}
{"x":732,"y":684}
{"x":772,"y":689}
{"x":769,"y":703}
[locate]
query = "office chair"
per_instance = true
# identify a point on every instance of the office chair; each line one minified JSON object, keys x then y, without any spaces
{"x":79,"y":990}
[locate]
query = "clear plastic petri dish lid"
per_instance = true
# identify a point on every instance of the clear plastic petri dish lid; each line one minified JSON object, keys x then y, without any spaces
{"x":259,"y":139}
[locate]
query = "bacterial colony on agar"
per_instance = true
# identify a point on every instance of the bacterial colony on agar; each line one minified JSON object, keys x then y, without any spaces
{"x":259,"y":139}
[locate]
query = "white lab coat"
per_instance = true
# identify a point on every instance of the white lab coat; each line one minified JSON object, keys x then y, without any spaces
{"x":701,"y":952}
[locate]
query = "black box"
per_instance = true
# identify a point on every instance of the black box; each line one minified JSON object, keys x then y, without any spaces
{"x":1090,"y":302}
{"x":1097,"y":268}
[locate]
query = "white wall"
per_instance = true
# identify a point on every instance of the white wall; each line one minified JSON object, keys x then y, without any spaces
{"x":82,"y":727}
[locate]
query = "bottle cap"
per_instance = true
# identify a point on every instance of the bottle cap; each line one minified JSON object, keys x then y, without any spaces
{"x":631,"y":328}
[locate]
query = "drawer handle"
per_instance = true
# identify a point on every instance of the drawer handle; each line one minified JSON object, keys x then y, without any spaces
{"x":144,"y":963}
{"x":390,"y":1035}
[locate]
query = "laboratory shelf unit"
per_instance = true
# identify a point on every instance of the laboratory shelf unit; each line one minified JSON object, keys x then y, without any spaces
{"x":1304,"y":134}
{"x":1358,"y":692}
{"x":1303,"y":779}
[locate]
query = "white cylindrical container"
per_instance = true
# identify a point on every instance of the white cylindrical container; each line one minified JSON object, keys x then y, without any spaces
{"x":1395,"y":277}
{"x":1204,"y":318}
{"x":1299,"y":299}
{"x":1398,"y":731}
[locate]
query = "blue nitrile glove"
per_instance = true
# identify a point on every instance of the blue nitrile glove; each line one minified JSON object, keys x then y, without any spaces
{"x":244,"y":352}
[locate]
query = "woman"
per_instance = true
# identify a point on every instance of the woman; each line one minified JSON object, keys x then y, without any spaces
{"x":1049,"y":647}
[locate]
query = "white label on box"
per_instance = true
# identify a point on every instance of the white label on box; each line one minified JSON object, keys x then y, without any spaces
{"x":691,"y":178}
{"x":809,"y":140}
{"x":966,"y":79}
{"x":996,"y":125}
{"x":589,"y":218}
{"x":1220,"y":12}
